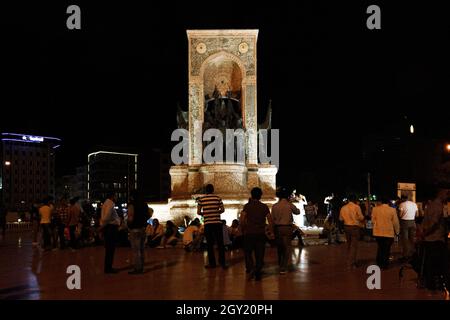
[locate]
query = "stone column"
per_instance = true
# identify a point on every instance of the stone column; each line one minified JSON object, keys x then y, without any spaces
{"x":251,"y":123}
{"x":195,"y":133}
{"x":195,"y":121}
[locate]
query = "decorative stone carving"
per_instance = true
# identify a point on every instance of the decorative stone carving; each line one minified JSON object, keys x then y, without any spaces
{"x":201,"y":48}
{"x":243,"y":47}
{"x":223,"y":40}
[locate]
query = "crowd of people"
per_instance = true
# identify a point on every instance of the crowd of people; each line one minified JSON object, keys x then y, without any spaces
{"x":423,"y":238}
{"x":65,"y":223}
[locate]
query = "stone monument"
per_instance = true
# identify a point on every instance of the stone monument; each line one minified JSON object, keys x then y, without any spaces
{"x":222,"y":95}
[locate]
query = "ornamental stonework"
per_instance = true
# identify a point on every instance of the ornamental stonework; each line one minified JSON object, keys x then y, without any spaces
{"x":210,"y":46}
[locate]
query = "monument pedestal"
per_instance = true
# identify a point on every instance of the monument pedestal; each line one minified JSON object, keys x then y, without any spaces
{"x":232,"y":182}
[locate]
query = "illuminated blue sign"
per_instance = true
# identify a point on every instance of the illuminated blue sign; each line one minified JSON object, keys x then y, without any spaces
{"x":17,"y":137}
{"x":33,"y":138}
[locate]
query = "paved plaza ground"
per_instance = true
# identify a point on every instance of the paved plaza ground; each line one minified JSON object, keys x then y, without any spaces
{"x":172,"y":274}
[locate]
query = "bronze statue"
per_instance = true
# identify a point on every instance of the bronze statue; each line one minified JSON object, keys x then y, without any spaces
{"x":182,"y":118}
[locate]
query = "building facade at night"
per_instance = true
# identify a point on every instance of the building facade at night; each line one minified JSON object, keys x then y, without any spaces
{"x":111,"y":172}
{"x":74,"y":185}
{"x":27,"y":173}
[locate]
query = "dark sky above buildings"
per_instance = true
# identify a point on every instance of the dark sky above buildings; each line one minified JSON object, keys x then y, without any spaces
{"x":332,"y":81}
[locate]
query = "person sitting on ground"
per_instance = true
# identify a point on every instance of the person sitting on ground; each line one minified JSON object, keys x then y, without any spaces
{"x":191,"y":237}
{"x":226,"y":236}
{"x":329,"y":229}
{"x":235,"y":233}
{"x":170,"y":236}
{"x":186,"y":223}
{"x":155,"y":233}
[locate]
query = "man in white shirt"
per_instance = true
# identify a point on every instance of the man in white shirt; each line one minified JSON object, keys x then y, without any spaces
{"x":353,"y":219}
{"x":408,"y":211}
{"x":109,"y":223}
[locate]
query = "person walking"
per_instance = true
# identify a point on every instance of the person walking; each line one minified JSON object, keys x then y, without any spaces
{"x":407,"y":211}
{"x":138,"y":214}
{"x":352,"y":217}
{"x":385,"y":227}
{"x":210,"y":206}
{"x":62,"y":210}
{"x":282,"y":215}
{"x":45,"y":212}
{"x":435,"y":233}
{"x":109,"y":224}
{"x":253,"y":223}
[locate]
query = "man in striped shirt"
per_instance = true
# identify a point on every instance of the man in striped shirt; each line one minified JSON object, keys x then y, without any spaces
{"x":210,"y":207}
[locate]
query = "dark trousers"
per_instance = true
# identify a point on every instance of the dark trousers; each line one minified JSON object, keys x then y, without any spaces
{"x":407,"y":236}
{"x":436,"y":265}
{"x":310,"y":219}
{"x":73,"y":237}
{"x":214,"y":234}
{"x":352,"y":234}
{"x":237,"y":242}
{"x":62,"y":238}
{"x":155,"y":242}
{"x":137,"y":239}
{"x":298,"y":234}
{"x":54,"y":235}
{"x":46,"y":235}
{"x":384,"y":251}
{"x":110,"y":233}
{"x":283,"y":235}
{"x":254,"y":243}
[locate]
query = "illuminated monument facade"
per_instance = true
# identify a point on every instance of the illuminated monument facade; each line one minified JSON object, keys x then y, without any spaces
{"x":222,"y":95}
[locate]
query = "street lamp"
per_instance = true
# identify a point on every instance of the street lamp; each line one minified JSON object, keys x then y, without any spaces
{"x":7,"y":163}
{"x":447,"y":147}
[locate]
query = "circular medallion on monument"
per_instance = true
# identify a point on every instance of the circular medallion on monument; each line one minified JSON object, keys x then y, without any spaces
{"x":201,"y":48}
{"x":243,"y":47}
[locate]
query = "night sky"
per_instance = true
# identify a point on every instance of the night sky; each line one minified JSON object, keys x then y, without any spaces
{"x":332,"y":81}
